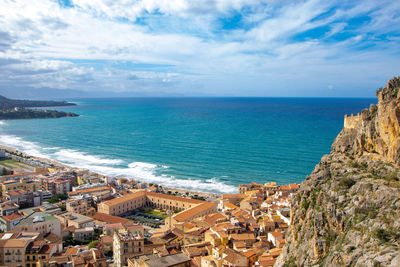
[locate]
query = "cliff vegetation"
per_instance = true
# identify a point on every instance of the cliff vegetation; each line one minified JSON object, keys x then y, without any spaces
{"x":347,"y":212}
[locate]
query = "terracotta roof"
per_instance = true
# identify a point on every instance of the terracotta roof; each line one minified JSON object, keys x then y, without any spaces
{"x":231,"y":206}
{"x":228,"y":196}
{"x":109,"y":218}
{"x":243,"y":236}
{"x":10,"y":181}
{"x":248,"y":253}
{"x":46,"y":249}
{"x":16,"y":243}
{"x":276,"y":234}
{"x":72,"y":251}
{"x":124,"y":198}
{"x":90,"y":190}
{"x":190,"y":213}
{"x":239,"y":244}
{"x":19,"y":174}
{"x":284,"y":187}
{"x":147,"y":193}
{"x":189,"y":200}
{"x":213,"y":218}
{"x":267,"y":262}
{"x":12,"y":217}
{"x":294,"y":186}
{"x":16,"y":192}
{"x":275,"y":252}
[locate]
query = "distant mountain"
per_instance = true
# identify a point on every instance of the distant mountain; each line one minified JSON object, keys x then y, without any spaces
{"x":6,"y":103}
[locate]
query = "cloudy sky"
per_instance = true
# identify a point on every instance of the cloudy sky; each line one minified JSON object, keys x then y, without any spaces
{"x":199,"y":47}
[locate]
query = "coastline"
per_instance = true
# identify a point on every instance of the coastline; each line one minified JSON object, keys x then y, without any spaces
{"x":41,"y":162}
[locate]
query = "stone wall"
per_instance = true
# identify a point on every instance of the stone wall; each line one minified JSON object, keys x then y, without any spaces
{"x":352,"y":122}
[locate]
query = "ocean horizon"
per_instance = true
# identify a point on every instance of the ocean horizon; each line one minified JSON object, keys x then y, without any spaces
{"x":209,"y":144}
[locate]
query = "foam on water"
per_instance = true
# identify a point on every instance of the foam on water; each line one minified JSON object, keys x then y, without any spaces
{"x":76,"y":157}
{"x":141,"y":171}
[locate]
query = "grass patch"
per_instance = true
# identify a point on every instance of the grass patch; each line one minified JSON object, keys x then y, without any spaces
{"x":382,"y":234}
{"x":291,"y":262}
{"x":346,"y":182}
{"x":155,"y":213}
{"x":392,"y":177}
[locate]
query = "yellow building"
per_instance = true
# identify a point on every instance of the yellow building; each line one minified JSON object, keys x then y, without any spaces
{"x":22,"y":184}
{"x":190,"y":208}
{"x":127,"y":245}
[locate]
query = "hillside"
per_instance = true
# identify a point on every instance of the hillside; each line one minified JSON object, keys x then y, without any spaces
{"x":347,"y":212}
{"x":11,"y":109}
{"x":6,"y":103}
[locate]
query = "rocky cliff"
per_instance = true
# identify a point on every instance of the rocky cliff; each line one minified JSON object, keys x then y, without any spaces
{"x":347,"y":212}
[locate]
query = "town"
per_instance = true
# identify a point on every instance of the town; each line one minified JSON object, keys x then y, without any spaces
{"x":53,"y":215}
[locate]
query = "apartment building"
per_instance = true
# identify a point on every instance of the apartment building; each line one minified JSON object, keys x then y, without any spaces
{"x":127,"y":244}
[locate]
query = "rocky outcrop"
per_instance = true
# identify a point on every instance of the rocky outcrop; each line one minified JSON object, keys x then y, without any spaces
{"x":347,"y":212}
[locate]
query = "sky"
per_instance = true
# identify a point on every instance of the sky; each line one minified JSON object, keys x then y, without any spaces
{"x":272,"y":48}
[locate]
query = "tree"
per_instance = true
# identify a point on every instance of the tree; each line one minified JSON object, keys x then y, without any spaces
{"x":94,"y":244}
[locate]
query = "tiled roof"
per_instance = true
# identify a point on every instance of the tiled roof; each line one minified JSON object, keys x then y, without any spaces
{"x":244,"y":236}
{"x":16,"y":192}
{"x":228,"y":196}
{"x":189,"y":213}
{"x":123,"y":199}
{"x":12,"y":217}
{"x":146,"y":193}
{"x":248,"y":253}
{"x":171,"y":197}
{"x":19,"y":174}
{"x":276,"y":234}
{"x":90,"y":190}
{"x":109,"y":218}
{"x":10,"y":181}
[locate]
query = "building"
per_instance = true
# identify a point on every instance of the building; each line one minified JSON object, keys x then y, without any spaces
{"x":7,"y":208}
{"x":8,"y":222}
{"x":196,"y":211}
{"x":79,"y":205}
{"x":39,"y":222}
{"x":191,"y":208}
{"x":126,"y":245}
{"x":56,"y":186}
{"x":13,"y":247}
{"x":154,"y":260}
{"x":74,"y":219}
{"x":97,"y":193}
{"x":243,"y":188}
{"x":21,"y":184}
{"x":83,"y":233}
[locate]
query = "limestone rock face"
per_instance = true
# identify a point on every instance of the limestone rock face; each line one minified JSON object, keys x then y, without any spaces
{"x":347,"y":212}
{"x":376,"y":130}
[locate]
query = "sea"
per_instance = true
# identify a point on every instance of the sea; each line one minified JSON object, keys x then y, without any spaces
{"x":203,"y":144}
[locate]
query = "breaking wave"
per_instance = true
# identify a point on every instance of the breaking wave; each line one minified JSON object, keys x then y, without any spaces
{"x":141,"y":171}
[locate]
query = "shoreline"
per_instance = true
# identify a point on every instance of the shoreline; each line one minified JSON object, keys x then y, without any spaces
{"x":43,"y":162}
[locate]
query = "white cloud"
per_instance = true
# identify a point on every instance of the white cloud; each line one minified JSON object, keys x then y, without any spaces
{"x":43,"y":44}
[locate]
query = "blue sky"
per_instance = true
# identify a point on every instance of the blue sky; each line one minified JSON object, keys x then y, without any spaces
{"x":200,"y":48}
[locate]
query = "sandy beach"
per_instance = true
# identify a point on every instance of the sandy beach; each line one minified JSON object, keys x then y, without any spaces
{"x":41,"y":162}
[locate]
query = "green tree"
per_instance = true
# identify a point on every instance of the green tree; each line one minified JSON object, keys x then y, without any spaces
{"x":94,"y":244}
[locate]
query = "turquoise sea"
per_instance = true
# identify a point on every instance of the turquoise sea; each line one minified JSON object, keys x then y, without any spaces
{"x":204,"y":144}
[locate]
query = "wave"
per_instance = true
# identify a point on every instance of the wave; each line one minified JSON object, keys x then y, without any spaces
{"x":2,"y":122}
{"x":140,"y":171}
{"x":76,"y":157}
